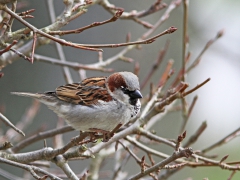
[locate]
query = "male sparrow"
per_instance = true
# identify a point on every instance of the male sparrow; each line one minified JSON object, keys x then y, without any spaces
{"x":97,"y":104}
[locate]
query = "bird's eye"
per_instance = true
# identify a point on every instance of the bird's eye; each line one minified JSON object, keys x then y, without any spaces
{"x":125,"y":90}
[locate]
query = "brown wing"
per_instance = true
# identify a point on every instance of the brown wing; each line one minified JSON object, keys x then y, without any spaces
{"x":88,"y":92}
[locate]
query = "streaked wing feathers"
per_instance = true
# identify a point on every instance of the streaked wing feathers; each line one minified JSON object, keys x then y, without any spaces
{"x":88,"y":92}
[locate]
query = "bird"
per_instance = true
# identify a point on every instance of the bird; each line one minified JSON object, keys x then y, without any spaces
{"x":96,"y":104}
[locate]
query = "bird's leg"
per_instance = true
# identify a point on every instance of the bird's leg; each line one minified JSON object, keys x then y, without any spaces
{"x":106,"y":134}
{"x":93,"y":136}
{"x":103,"y":132}
{"x":111,"y":133}
{"x":80,"y":138}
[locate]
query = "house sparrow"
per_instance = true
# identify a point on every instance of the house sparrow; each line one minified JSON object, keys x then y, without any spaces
{"x":97,"y":104}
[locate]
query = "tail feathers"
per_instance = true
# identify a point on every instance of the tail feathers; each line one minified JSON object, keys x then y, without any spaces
{"x":26,"y":94}
{"x":48,"y":99}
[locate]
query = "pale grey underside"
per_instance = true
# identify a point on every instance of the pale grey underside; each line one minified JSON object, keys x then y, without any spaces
{"x":104,"y":115}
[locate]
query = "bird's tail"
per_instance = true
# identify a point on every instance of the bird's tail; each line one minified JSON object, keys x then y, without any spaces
{"x":46,"y":98}
{"x":26,"y":94}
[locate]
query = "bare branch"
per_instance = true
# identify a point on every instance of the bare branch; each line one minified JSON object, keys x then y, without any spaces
{"x":156,"y":64}
{"x":226,"y":139}
{"x":183,"y":153}
{"x":30,"y":168}
{"x":143,"y":41}
{"x":209,"y":43}
{"x":40,"y":136}
{"x":197,"y":87}
{"x":8,"y":47}
{"x":8,"y":123}
{"x":196,"y":135}
{"x":75,"y":31}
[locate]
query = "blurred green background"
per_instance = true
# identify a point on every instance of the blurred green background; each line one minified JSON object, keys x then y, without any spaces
{"x":219,"y":100}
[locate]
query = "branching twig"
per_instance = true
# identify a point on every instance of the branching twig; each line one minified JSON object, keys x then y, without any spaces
{"x":30,"y":168}
{"x":135,"y":136}
{"x":164,"y":17}
{"x":66,"y":71}
{"x":143,"y":41}
{"x":183,"y":153}
{"x":36,"y":30}
{"x":114,"y":18}
{"x":156,"y":64}
{"x":8,"y":47}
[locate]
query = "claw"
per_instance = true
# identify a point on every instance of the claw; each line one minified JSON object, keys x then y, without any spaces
{"x":107,"y":135}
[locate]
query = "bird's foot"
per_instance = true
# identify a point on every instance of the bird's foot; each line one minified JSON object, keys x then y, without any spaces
{"x":106,"y":135}
{"x":95,"y":133}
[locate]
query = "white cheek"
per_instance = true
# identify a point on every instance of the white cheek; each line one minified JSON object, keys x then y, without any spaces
{"x":138,"y":104}
{"x":125,"y":98}
{"x":64,"y":108}
{"x":118,"y":94}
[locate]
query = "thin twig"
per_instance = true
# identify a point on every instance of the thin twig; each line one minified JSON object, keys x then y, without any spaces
{"x":66,"y":71}
{"x":36,"y":30}
{"x":40,"y":136}
{"x":33,"y":46}
{"x":73,"y":65}
{"x":75,"y":31}
{"x":30,"y":168}
{"x":231,"y":175}
{"x":183,"y":153}
{"x":195,"y":88}
{"x":142,"y":41}
{"x":21,"y":54}
{"x":156,"y":64}
{"x":134,"y":15}
{"x":8,"y":47}
{"x":8,"y":123}
{"x":185,"y":35}
{"x":196,"y":135}
{"x":163,"y":18}
{"x":208,"y":44}
{"x":184,"y":52}
{"x":167,"y":73}
{"x":10,"y":23}
{"x":189,"y":111}
{"x":137,"y":159}
{"x":223,"y":141}
{"x":26,"y":119}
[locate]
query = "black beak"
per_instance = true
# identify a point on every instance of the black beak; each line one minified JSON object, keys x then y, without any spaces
{"x":135,"y":94}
